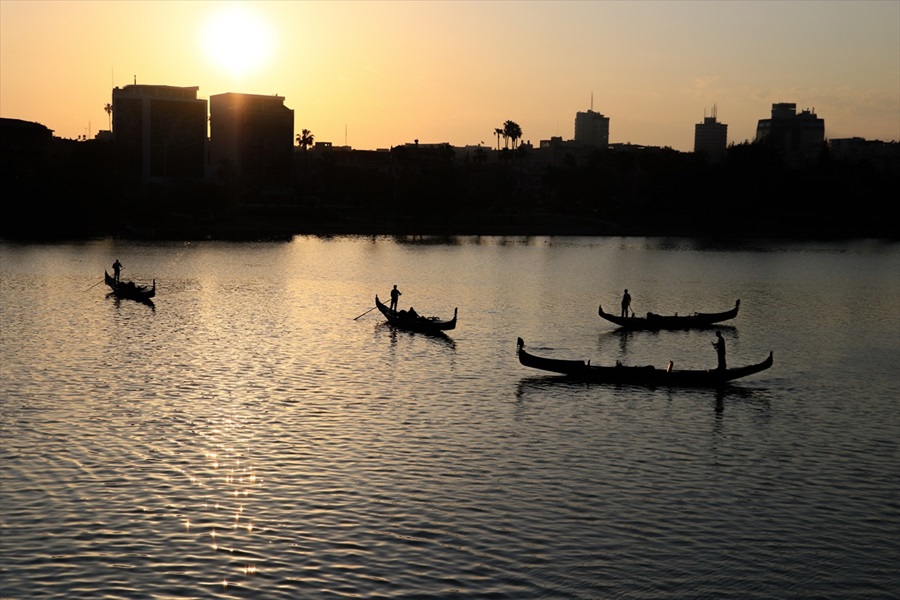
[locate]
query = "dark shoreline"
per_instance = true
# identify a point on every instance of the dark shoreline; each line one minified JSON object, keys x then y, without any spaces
{"x":254,"y":230}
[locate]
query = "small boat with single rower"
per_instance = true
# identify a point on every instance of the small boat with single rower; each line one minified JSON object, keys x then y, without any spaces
{"x":649,"y":375}
{"x":403,"y":320}
{"x":130,"y":290}
{"x":654,"y":322}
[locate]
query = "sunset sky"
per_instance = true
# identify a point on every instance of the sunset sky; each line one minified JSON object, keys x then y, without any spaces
{"x":378,"y":74}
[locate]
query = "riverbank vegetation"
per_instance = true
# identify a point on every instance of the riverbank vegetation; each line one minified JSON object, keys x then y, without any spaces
{"x":440,"y":190}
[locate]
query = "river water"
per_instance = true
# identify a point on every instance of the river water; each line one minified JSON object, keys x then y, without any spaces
{"x":248,"y":437}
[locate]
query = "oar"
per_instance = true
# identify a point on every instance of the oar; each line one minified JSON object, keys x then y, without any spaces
{"x":95,"y":285}
{"x":365,"y":313}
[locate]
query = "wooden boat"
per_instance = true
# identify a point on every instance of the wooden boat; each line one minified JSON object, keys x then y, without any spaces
{"x":402,"y":320}
{"x":653,"y":321}
{"x":129,"y":290}
{"x":584,"y":371}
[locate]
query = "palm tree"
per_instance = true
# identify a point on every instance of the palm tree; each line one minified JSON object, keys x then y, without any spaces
{"x":108,"y":109}
{"x":305,"y":139}
{"x":498,"y":132}
{"x":511,"y":130}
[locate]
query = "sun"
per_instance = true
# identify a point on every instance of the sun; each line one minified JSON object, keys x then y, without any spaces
{"x":237,"y":40}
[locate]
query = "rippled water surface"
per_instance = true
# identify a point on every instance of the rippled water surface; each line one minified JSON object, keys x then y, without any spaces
{"x":248,"y":437}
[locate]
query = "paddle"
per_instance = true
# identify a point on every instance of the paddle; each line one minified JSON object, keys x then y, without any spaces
{"x":365,"y":313}
{"x":95,"y":285}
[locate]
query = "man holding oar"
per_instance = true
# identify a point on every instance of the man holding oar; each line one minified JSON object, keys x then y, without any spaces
{"x":395,"y":296}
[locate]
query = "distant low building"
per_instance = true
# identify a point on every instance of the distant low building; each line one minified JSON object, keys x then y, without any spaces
{"x":253,"y":135}
{"x":799,"y":137}
{"x":24,"y":147}
{"x":160,"y":131}
{"x":882,"y":155}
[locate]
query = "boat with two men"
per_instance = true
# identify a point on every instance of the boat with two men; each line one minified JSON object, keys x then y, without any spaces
{"x":129,"y":289}
{"x":411,"y":321}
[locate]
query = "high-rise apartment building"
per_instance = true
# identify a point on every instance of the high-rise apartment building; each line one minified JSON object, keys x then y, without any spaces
{"x":798,"y":136}
{"x":711,"y":137}
{"x":160,"y":131}
{"x":591,"y":129}
{"x":254,"y":136}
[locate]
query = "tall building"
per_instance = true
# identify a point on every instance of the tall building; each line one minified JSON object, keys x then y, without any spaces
{"x":160,"y":131}
{"x":592,"y":129}
{"x":252,"y":135}
{"x":711,"y":137}
{"x":799,"y":137}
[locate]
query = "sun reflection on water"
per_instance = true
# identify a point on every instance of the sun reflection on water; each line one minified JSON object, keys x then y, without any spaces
{"x":227,"y":477}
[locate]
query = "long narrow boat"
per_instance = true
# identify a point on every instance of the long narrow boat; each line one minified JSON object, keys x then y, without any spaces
{"x":130,"y":290}
{"x":654,"y":321}
{"x":402,"y":320}
{"x":584,"y":371}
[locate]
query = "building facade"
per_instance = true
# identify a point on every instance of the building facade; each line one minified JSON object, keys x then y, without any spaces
{"x":592,"y":129}
{"x":799,"y":137}
{"x":252,"y":137}
{"x":160,"y":131}
{"x":711,"y":138}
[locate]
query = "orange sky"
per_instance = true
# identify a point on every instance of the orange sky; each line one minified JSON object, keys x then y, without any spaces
{"x":377,"y":74}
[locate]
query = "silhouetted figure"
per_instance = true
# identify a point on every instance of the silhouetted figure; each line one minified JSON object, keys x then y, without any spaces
{"x":395,"y":296}
{"x":412,"y":314}
{"x":626,"y":303}
{"x":719,"y":345}
{"x":117,"y":268}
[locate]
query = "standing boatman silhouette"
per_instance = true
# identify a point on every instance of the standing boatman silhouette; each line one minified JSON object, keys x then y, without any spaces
{"x":719,"y":345}
{"x":626,"y":303}
{"x":117,"y":268}
{"x":395,"y":296}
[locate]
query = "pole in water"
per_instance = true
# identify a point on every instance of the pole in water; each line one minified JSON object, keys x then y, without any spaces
{"x":365,"y":313}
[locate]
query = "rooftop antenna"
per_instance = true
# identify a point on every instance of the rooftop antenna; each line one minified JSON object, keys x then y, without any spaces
{"x":715,"y":112}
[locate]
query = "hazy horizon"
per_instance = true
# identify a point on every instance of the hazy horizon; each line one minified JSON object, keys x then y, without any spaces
{"x":379,"y":74}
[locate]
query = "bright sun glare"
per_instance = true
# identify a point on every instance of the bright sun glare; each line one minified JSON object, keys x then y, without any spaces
{"x":237,"y":41}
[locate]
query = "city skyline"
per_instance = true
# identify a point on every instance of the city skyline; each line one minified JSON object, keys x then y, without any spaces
{"x":379,"y":74}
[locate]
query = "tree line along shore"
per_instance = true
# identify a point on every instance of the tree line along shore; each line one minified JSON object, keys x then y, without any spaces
{"x":750,"y":192}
